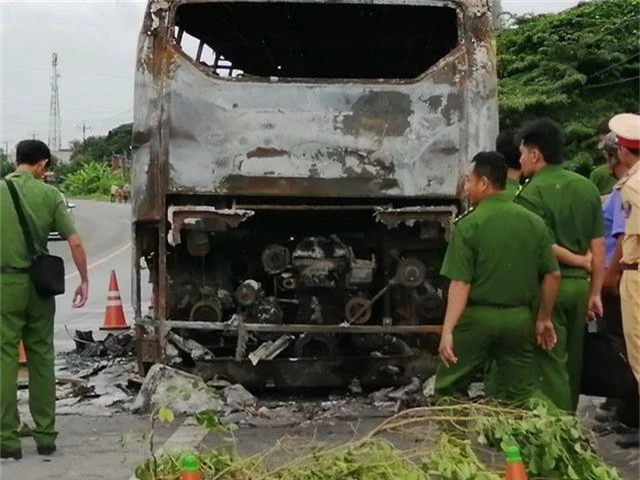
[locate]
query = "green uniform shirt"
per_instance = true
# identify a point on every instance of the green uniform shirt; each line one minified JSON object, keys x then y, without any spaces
{"x":502,"y":251}
{"x":512,"y":187}
{"x":570,"y":206}
{"x":602,"y":178}
{"x":46,"y":211}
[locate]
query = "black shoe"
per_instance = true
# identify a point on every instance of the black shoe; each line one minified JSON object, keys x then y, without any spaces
{"x":604,"y":416}
{"x":46,"y":449}
{"x":15,"y":453}
{"x":605,"y":428}
{"x":629,"y":440}
{"x":609,"y":405}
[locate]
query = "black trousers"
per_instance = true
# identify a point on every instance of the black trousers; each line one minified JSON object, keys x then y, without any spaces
{"x":628,"y":410}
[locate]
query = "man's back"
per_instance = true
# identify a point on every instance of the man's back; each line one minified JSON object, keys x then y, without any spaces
{"x":502,"y":250}
{"x":45,"y":210}
{"x":603,"y":180}
{"x":568,"y":203}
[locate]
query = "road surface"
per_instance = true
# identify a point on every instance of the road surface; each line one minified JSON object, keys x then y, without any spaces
{"x":91,"y":447}
{"x":106,"y":231}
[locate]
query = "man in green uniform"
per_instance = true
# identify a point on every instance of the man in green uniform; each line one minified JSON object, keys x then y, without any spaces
{"x":24,"y":315}
{"x":506,"y":146}
{"x":602,"y":176}
{"x":570,"y":206}
{"x":497,"y":256}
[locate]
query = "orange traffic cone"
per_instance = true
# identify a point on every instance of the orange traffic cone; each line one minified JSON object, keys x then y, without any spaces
{"x":114,"y":314}
{"x":514,"y":467}
{"x":22,"y":357}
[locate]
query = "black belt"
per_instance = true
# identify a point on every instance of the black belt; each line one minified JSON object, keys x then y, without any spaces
{"x":10,"y":270}
{"x":631,"y":266}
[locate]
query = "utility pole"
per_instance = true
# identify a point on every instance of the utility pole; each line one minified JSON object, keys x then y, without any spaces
{"x":84,"y":127}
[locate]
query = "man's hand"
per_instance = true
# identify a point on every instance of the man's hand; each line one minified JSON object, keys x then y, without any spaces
{"x":81,"y":295}
{"x":596,"y":310}
{"x":588,"y":260}
{"x":445,"y":350}
{"x":545,"y":333}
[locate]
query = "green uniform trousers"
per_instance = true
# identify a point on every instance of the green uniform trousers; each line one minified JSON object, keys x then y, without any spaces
{"x":559,"y":371}
{"x":491,"y":334}
{"x":25,"y":316}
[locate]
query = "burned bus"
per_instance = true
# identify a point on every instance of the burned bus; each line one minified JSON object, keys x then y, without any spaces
{"x":297,"y":169}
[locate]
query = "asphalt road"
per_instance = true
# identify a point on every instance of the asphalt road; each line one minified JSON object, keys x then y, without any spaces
{"x":106,"y":232}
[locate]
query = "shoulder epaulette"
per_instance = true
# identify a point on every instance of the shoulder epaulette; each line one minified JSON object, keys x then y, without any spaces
{"x":464,"y":214}
{"x":521,"y":188}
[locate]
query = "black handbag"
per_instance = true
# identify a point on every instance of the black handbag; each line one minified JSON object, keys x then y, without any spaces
{"x":605,"y":369}
{"x":47,"y":271}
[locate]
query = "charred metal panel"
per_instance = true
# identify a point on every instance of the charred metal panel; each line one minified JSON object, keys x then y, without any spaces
{"x":203,"y":218}
{"x":389,"y":137}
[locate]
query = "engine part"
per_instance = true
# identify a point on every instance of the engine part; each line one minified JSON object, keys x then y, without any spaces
{"x":354,"y":306}
{"x":410,"y":272}
{"x":270,"y":350}
{"x":320,"y":261}
{"x":429,"y":306}
{"x":268,"y":311}
{"x":226,"y":300}
{"x":361,"y":273}
{"x":198,"y":243}
{"x":315,"y":346}
{"x":395,"y":346}
{"x":206,"y":311}
{"x":275,"y":259}
{"x":247,"y":293}
{"x":287,"y":281}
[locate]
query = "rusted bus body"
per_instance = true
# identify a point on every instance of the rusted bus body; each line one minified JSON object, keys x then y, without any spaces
{"x":297,"y":169}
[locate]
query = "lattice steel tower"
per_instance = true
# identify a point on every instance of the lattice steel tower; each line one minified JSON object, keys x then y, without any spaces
{"x":55,"y":131}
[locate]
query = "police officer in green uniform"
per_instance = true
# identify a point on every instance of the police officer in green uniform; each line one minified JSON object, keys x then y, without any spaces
{"x":507,"y":147}
{"x":497,"y":256}
{"x":24,"y":315}
{"x":602,"y":176}
{"x":571,"y":208}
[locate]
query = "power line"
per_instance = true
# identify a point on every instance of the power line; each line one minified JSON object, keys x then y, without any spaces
{"x":606,"y":69}
{"x":71,"y":72}
{"x":615,"y":82}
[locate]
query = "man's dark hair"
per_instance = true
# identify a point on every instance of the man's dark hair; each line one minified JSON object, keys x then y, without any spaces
{"x":544,"y":135}
{"x":30,"y":152}
{"x":506,"y":146}
{"x":603,"y":127}
{"x":492,"y":166}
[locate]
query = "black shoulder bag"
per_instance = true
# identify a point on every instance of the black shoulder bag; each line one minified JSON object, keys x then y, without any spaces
{"x":47,"y":271}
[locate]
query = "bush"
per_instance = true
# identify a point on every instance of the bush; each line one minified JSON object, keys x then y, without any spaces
{"x":92,"y":179}
{"x":6,"y":168}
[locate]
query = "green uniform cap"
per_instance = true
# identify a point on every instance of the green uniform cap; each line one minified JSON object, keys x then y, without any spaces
{"x":190,"y":463}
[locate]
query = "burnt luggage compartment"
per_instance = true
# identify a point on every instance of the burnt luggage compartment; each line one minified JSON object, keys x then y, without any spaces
{"x":297,"y":171}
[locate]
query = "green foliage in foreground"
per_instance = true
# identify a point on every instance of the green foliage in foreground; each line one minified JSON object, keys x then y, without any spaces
{"x":553,"y":446}
{"x":92,"y":180}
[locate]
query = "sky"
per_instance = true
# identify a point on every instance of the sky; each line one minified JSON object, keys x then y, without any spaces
{"x":95,"y":41}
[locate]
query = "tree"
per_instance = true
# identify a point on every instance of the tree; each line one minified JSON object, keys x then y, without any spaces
{"x":578,"y":67}
{"x":6,"y":167}
{"x":100,"y":148}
